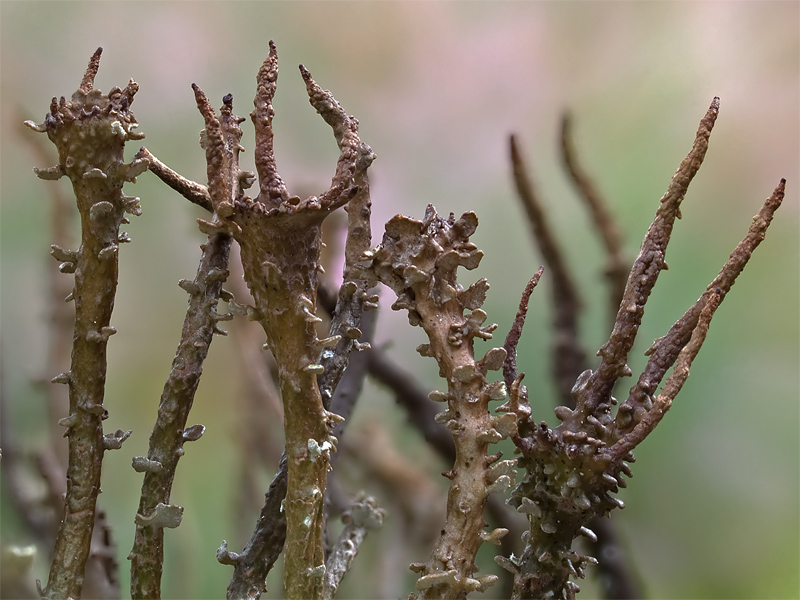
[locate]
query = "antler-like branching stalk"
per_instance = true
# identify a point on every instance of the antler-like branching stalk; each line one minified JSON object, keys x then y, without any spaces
{"x":573,"y":469}
{"x":280,"y":238}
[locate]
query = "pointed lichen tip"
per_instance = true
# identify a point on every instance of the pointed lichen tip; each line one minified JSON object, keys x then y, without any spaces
{"x":87,"y":83}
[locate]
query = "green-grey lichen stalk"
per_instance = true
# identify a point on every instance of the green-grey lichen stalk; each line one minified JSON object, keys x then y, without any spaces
{"x":200,"y":324}
{"x":419,"y":260}
{"x":280,"y":239}
{"x":90,"y":131}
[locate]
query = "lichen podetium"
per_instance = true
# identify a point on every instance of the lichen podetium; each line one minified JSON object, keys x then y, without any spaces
{"x":280,"y":239}
{"x":90,"y":131}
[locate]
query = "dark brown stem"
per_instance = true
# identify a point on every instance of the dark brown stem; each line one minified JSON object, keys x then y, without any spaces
{"x":514,"y":334}
{"x":568,"y":355}
{"x":617,"y":268}
{"x":644,"y":273}
{"x":665,"y":351}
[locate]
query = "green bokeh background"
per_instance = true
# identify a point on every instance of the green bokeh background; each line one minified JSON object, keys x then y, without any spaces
{"x":712,"y":511}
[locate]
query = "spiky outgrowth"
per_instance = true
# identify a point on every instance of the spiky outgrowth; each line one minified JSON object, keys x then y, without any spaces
{"x":573,"y":471}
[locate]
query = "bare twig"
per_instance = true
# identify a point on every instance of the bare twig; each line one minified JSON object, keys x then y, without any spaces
{"x":363,"y":515}
{"x":617,"y":268}
{"x":568,"y":355}
{"x":193,"y":192}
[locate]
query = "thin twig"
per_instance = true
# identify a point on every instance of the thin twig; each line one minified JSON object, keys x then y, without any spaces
{"x":514,"y":334}
{"x":617,"y":268}
{"x":192,"y":191}
{"x":568,"y":356}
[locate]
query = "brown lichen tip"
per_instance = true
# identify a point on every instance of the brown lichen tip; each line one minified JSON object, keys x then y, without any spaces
{"x":87,"y":83}
{"x":214,"y":145}
{"x":514,"y":334}
{"x":646,"y":269}
{"x":272,"y":188}
{"x":327,"y":106}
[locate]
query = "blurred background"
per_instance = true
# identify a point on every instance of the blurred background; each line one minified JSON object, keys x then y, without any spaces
{"x":712,"y":511}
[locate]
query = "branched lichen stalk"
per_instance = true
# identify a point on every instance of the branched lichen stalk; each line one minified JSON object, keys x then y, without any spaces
{"x":665,"y":350}
{"x":280,"y":239}
{"x":419,"y":260}
{"x":573,"y":470}
{"x":200,"y":324}
{"x":90,"y":131}
{"x":253,"y":564}
{"x":569,"y":355}
{"x":644,"y":273}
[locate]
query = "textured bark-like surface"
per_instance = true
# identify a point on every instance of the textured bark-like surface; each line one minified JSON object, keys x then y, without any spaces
{"x":280,"y":239}
{"x":280,"y":257}
{"x":200,"y":324}
{"x":170,"y":432}
{"x":90,"y":131}
{"x":617,"y":570}
{"x":419,"y":260}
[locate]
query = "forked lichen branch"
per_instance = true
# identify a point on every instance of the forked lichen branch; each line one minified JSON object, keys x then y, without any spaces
{"x":280,"y":239}
{"x":573,"y":470}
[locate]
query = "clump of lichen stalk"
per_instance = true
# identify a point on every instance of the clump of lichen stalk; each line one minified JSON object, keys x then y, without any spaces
{"x":573,"y":470}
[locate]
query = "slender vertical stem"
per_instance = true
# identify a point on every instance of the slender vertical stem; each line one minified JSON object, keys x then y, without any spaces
{"x":90,"y":132}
